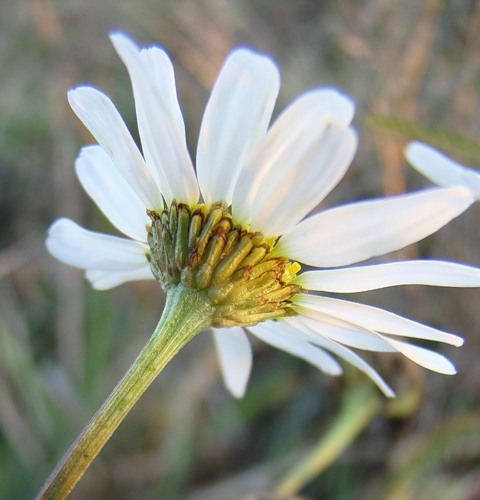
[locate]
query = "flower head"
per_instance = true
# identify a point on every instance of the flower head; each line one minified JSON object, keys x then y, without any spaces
{"x":235,"y":230}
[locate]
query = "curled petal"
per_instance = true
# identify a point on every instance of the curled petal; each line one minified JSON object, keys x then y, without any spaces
{"x":440,"y":169}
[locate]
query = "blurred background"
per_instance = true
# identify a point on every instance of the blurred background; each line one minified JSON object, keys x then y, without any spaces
{"x":413,"y":69}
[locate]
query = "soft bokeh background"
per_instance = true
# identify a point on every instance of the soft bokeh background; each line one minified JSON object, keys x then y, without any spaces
{"x":63,"y":346}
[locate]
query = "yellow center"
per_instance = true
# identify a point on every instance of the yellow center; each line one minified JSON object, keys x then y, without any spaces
{"x":206,"y":251}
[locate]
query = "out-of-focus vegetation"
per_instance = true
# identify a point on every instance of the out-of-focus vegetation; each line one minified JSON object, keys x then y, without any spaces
{"x":63,"y":346}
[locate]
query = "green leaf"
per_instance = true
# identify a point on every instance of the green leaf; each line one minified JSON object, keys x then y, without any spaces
{"x":448,"y":141}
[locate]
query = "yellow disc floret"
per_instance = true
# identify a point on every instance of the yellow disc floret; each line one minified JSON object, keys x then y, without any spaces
{"x":204,"y":250}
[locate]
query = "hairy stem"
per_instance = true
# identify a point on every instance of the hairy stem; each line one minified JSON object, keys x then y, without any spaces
{"x":186,"y":313}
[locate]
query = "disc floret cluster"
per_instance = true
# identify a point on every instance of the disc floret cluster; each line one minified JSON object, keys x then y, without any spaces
{"x":205,"y":250}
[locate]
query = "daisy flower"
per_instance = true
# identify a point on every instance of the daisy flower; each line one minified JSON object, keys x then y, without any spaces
{"x":234,"y":231}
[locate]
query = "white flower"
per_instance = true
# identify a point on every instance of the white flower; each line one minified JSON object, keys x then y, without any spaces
{"x":271,"y":177}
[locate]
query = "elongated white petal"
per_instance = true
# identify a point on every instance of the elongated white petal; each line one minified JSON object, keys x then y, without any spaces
{"x":112,"y":194}
{"x":346,"y":354}
{"x":313,"y":175}
{"x":374,"y":341}
{"x":440,"y":169}
{"x":355,"y":232}
{"x":160,"y":71}
{"x":72,"y":244}
{"x":424,"y":357}
{"x":281,"y":336}
{"x":159,"y":120}
{"x":413,"y":272}
{"x":372,"y":318}
{"x":344,"y":332}
{"x":101,"y":118}
{"x":302,"y":157}
{"x":104,"y":280}
{"x":235,"y":357}
{"x":236,"y":117}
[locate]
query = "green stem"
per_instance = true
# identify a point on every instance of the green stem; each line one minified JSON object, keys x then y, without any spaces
{"x":186,"y":313}
{"x":360,"y":406}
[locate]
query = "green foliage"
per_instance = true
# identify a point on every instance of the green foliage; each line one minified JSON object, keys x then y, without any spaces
{"x":450,"y":142}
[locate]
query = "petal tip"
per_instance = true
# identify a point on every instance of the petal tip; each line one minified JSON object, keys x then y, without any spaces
{"x":237,"y":392}
{"x":413,"y":148}
{"x":78,"y":96}
{"x":120,"y":40}
{"x":458,"y":341}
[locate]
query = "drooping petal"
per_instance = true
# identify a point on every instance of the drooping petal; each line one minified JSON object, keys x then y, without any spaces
{"x":295,"y":166}
{"x":112,"y":194}
{"x":374,"y":341}
{"x":344,"y":333}
{"x":236,"y":117}
{"x":104,"y":280}
{"x":346,"y":354}
{"x":424,"y":357}
{"x":72,"y":244}
{"x":372,"y":318}
{"x":357,"y":231}
{"x":159,"y":120}
{"x":279,"y":335}
{"x":235,"y":357}
{"x":440,"y":169}
{"x":99,"y":115}
{"x":413,"y":272}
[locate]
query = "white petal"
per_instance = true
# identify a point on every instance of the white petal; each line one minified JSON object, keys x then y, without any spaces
{"x":347,"y":355}
{"x":103,"y":280}
{"x":78,"y":247}
{"x":235,"y":357}
{"x":425,"y":357}
{"x":344,"y":332}
{"x":358,"y":231}
{"x":236,"y":117}
{"x":159,"y":120}
{"x":280,"y":335}
{"x":414,"y":272}
{"x":303,"y":156}
{"x":372,"y":318}
{"x":373,"y":341}
{"x":113,"y":195}
{"x":440,"y":169}
{"x":160,"y":69}
{"x":100,"y":116}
